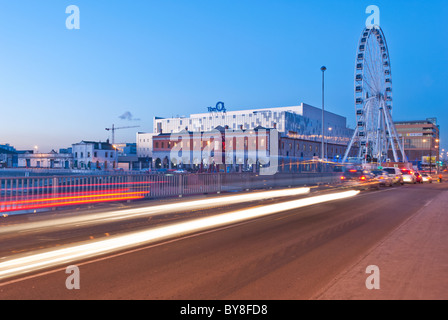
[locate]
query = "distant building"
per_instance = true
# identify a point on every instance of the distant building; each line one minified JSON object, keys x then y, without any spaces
{"x":65,"y":150}
{"x":51,"y":160}
{"x":145,"y":144}
{"x":125,"y":149}
{"x":299,"y":128}
{"x":7,"y":156}
{"x":420,"y":139}
{"x":7,"y":147}
{"x":127,"y":156}
{"x":225,"y":150}
{"x":145,"y":149}
{"x":300,"y":122}
{"x":91,"y":155}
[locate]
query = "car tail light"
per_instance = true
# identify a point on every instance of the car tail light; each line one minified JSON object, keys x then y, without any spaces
{"x":342,"y":178}
{"x":362,"y":178}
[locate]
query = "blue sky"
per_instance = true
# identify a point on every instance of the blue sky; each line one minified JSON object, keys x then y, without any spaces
{"x":168,"y":58}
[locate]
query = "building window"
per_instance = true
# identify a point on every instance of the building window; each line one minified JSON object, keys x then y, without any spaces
{"x":88,"y":154}
{"x":95,"y":154}
{"x":106,"y":154}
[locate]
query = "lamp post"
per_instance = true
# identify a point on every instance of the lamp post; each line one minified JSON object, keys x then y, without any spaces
{"x":323,"y":69}
{"x":329,"y":139}
{"x":430,"y":152}
{"x":437,"y":147}
{"x":430,"y":156}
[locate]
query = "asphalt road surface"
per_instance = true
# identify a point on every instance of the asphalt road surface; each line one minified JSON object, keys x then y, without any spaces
{"x":295,"y":254}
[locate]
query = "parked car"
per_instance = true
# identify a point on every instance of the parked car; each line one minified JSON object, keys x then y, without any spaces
{"x":395,"y":174}
{"x":408,"y":176}
{"x":180,"y":171}
{"x":383,"y":177}
{"x":418,"y":177}
{"x":426,"y":177}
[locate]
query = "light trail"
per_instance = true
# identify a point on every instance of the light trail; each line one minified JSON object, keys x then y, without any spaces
{"x":97,"y":218}
{"x":72,"y":253}
{"x":22,"y":198}
{"x":57,"y":200}
{"x":103,"y":198}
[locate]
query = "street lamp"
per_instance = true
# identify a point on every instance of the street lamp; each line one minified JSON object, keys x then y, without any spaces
{"x":329,"y":138}
{"x":430,"y":152}
{"x":323,"y":69}
{"x":437,"y":147}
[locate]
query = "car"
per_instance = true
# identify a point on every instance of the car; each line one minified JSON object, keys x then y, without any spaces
{"x":408,"y":176}
{"x":363,"y":179}
{"x":395,"y":174}
{"x":418,"y":177}
{"x":426,"y":177}
{"x":383,"y":177}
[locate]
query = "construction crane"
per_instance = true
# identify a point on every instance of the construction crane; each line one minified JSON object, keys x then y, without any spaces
{"x":113,"y":131}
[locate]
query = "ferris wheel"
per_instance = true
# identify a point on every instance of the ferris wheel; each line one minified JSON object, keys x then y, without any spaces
{"x":375,"y":131}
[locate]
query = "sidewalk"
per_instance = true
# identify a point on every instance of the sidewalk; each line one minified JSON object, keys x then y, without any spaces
{"x":412,"y":261}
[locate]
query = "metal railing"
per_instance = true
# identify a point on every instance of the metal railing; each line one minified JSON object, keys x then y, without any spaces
{"x":38,"y":193}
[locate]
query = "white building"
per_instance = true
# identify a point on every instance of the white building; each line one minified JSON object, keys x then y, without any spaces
{"x":145,"y":144}
{"x":299,"y":128}
{"x":52,"y":160}
{"x":94,"y":155}
{"x":301,"y":122}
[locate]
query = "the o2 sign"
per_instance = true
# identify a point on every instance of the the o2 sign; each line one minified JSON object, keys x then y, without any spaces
{"x":218,"y":108}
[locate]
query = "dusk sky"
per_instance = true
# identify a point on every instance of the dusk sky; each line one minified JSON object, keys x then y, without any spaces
{"x":166,"y":58}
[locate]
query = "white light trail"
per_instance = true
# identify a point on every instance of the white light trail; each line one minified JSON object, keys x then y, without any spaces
{"x":97,"y":218}
{"x":71,"y":253}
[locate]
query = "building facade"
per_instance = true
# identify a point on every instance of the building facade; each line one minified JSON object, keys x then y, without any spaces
{"x":51,"y":160}
{"x":420,"y":139}
{"x":301,"y":122}
{"x":299,"y":133}
{"x":8,"y":156}
{"x":91,"y":155}
{"x":228,"y":150}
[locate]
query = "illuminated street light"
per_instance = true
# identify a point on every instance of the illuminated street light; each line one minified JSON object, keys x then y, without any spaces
{"x":323,"y":69}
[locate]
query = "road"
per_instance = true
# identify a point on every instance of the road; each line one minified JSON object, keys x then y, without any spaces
{"x":293,"y":254}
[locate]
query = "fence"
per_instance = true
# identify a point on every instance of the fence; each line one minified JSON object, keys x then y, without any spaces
{"x":38,"y":193}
